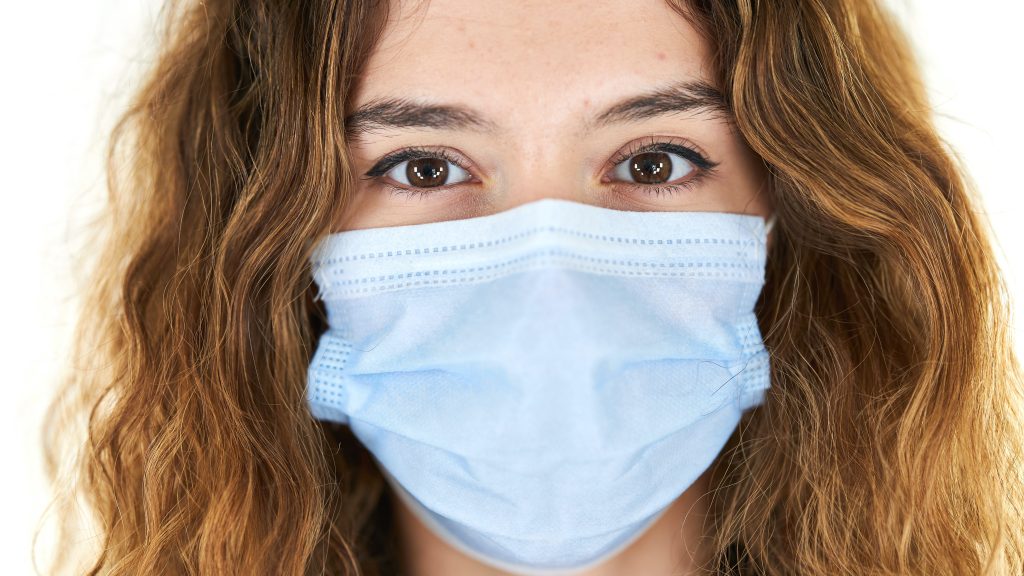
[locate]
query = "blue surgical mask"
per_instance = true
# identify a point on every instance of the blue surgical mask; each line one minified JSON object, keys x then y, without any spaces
{"x":540,"y":384}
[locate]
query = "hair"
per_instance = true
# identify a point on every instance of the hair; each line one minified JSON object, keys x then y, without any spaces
{"x":889,"y":443}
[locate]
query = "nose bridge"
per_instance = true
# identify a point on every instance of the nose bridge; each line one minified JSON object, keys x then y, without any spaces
{"x":545,"y":163}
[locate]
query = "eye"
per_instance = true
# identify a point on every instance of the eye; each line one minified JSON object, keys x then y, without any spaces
{"x":417,"y":169}
{"x":653,"y":168}
{"x":427,"y":172}
{"x":660,"y":167}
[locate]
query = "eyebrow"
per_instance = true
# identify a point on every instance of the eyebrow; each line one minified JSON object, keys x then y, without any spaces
{"x":689,"y":96}
{"x":683,"y":97}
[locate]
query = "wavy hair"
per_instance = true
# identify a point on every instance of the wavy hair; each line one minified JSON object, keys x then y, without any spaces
{"x":890,"y":442}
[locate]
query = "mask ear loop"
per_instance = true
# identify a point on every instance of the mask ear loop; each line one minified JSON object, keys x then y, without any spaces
{"x":769,"y":224}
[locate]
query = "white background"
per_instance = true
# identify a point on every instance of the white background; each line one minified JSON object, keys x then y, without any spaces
{"x":64,"y":76}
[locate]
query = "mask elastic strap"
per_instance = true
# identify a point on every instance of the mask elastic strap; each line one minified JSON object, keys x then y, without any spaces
{"x":769,"y":224}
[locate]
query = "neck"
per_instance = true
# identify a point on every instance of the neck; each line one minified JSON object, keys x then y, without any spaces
{"x":669,"y":547}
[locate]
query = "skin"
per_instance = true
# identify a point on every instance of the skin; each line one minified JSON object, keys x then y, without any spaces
{"x":539,"y":72}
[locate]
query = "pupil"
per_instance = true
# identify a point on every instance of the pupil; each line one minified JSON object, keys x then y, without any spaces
{"x":426,"y":172}
{"x":651,"y":167}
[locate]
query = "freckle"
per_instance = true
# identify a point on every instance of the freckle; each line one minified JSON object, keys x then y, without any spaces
{"x":661,"y":55}
{"x":472,"y":44}
{"x":586,"y":102}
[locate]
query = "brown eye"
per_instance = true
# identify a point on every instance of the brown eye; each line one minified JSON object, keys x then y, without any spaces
{"x":653,"y":168}
{"x":650,"y":167}
{"x":427,"y":172}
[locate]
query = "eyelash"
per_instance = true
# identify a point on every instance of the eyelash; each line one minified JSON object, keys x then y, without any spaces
{"x":703,"y":167}
{"x":385,"y":164}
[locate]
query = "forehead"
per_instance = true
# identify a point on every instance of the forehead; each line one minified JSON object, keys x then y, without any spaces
{"x":516,"y":58}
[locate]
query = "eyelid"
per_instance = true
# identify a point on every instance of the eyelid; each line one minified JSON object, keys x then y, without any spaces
{"x":392,"y":159}
{"x":703,"y":167}
{"x":685,"y":148}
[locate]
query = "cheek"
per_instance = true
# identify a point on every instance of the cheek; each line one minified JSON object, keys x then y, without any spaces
{"x":746,"y":177}
{"x":371,"y":207}
{"x":360,"y":213}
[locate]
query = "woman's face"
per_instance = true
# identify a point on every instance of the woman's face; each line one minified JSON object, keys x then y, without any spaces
{"x":603,"y":102}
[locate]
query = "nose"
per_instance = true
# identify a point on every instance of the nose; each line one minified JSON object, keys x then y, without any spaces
{"x":519,"y":197}
{"x":544,"y":174}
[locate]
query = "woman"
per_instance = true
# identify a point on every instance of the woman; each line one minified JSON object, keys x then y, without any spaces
{"x":278,"y":385}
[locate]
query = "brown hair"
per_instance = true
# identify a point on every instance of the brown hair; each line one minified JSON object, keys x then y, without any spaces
{"x":890,"y":442}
